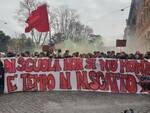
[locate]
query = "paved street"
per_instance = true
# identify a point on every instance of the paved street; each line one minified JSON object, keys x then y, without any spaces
{"x":73,"y":102}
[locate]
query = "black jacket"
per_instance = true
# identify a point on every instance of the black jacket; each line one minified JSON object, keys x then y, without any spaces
{"x":1,"y":73}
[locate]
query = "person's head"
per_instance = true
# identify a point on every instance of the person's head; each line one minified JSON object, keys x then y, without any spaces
{"x":51,"y":50}
{"x":2,"y":55}
{"x":90,"y":55}
{"x":125,"y":111}
{"x":73,"y":54}
{"x":27,"y":54}
{"x":103,"y":55}
{"x":118,"y":54}
{"x":22,"y":54}
{"x":42,"y":54}
{"x":36,"y":54}
{"x":97,"y":54}
{"x":108,"y":54}
{"x":59,"y":50}
{"x":131,"y":110}
{"x":138,"y":55}
{"x":77,"y":54}
{"x":123,"y":55}
{"x":11,"y":54}
{"x":131,"y":56}
{"x":66,"y":54}
{"x":67,"y":51}
{"x":148,"y":52}
{"x":147,"y":55}
{"x":112,"y":54}
{"x":18,"y":55}
{"x":83,"y":55}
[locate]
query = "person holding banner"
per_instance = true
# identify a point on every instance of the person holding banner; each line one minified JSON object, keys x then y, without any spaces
{"x":1,"y":77}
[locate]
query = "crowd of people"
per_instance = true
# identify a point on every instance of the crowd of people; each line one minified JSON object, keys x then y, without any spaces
{"x":96,"y":54}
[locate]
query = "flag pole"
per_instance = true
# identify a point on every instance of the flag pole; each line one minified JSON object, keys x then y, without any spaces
{"x":50,"y":36}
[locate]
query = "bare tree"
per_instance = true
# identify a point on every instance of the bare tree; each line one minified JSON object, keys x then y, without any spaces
{"x":66,"y":21}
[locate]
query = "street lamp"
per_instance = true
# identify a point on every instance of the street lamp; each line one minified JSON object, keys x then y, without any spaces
{"x":125,"y":8}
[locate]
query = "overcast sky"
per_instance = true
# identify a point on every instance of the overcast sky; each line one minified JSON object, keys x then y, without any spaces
{"x":104,"y":16}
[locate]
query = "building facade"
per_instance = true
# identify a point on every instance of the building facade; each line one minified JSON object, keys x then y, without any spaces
{"x":137,"y":31}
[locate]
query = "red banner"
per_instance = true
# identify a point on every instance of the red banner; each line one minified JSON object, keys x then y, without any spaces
{"x":102,"y":75}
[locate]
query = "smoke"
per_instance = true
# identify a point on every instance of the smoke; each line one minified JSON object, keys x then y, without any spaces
{"x":104,"y":45}
{"x":82,"y":46}
{"x":134,"y":44}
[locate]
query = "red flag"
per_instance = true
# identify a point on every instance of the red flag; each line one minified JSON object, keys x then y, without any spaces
{"x":38,"y":19}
